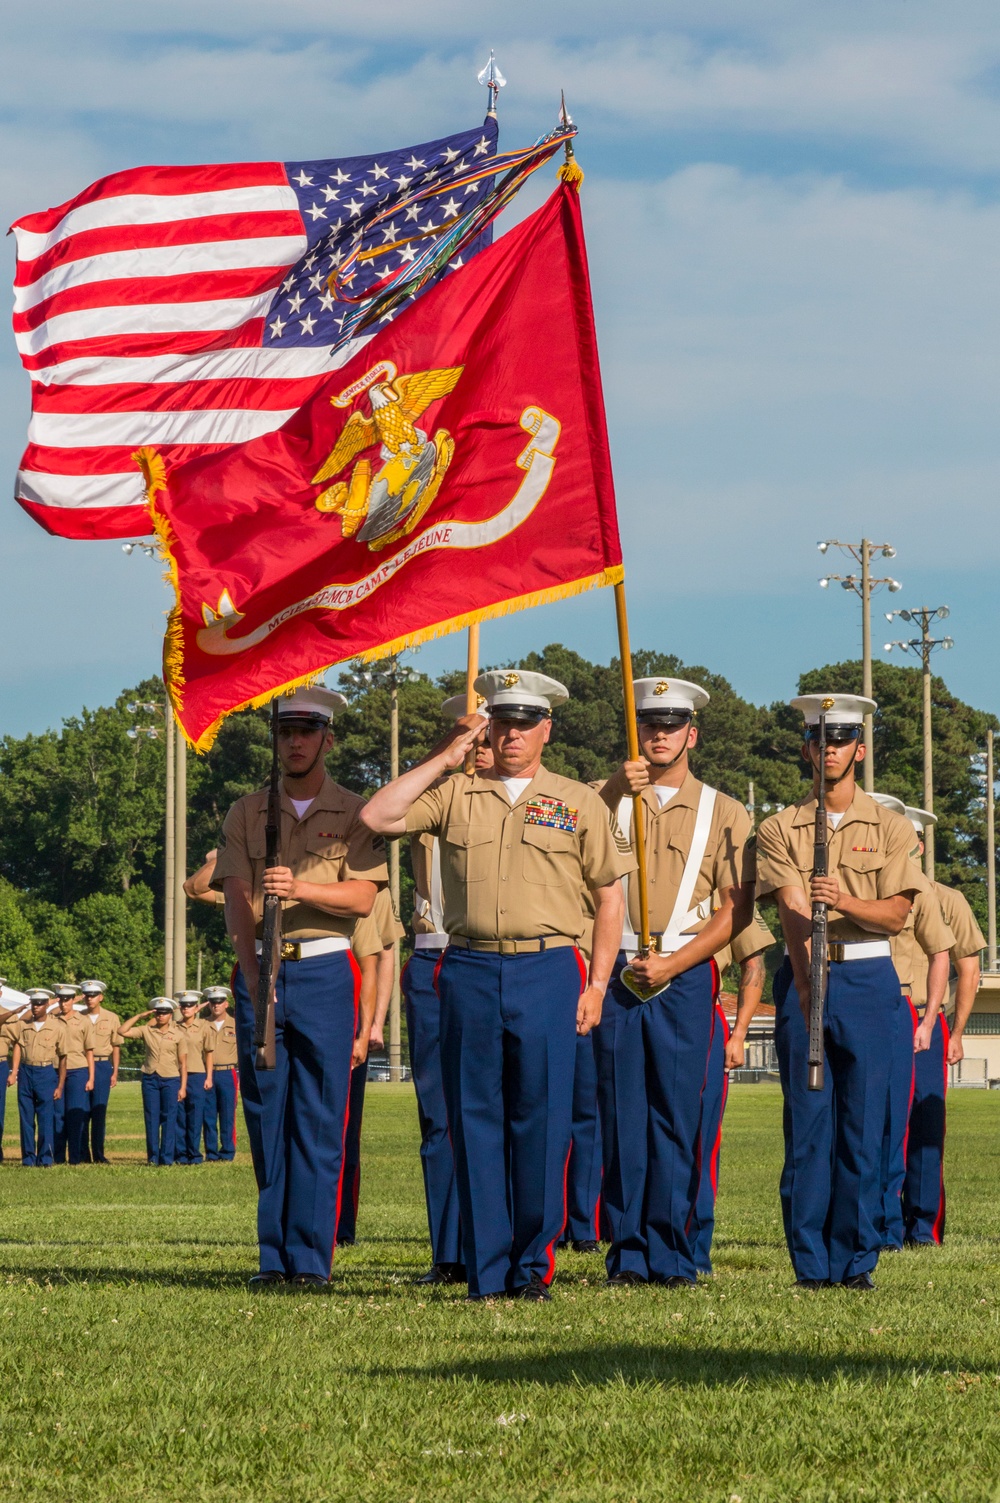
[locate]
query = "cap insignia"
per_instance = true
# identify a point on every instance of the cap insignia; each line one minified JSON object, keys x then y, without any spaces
{"x":510,"y":679}
{"x":828,"y":704}
{"x":662,"y":687}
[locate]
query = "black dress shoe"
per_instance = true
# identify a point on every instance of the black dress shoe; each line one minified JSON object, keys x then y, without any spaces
{"x":314,"y":1281}
{"x":675,"y":1281}
{"x":537,"y":1291}
{"x":859,"y":1281}
{"x":345,"y":1241}
{"x":624,"y":1280}
{"x":812,"y":1283}
{"x":272,"y":1279}
{"x":443,"y":1273}
{"x":588,"y":1245}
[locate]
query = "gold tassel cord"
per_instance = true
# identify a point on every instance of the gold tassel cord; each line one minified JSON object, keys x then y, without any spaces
{"x":572,"y":173}
{"x":172,"y":664}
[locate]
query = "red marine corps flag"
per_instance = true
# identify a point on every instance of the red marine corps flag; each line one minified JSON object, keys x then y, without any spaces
{"x":456,"y":468}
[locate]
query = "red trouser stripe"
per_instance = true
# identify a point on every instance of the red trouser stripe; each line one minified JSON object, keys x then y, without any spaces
{"x":938,"y":1230}
{"x":913,"y":1078}
{"x":356,"y":972}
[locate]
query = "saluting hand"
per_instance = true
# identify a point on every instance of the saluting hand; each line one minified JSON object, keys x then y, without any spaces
{"x":279,"y":882}
{"x":636,"y":774}
{"x":467,"y":732}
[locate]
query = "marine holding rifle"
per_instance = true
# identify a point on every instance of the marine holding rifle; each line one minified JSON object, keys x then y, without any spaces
{"x":831,"y":1181}
{"x":329,"y":869}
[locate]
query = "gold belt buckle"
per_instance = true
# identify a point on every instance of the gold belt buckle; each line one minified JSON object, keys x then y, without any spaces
{"x":290,"y":950}
{"x":835,"y":950}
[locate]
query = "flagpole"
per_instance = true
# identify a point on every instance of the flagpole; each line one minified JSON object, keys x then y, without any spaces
{"x":471,"y":697}
{"x":632,"y":744}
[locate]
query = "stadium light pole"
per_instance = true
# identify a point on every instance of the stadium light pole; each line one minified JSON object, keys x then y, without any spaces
{"x":169,"y":830}
{"x":922,"y":647}
{"x":390,"y":673}
{"x":174,"y":833}
{"x":863,"y":586}
{"x":991,"y":860}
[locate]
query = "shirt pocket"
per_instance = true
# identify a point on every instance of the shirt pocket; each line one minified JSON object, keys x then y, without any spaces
{"x":861,"y":871}
{"x":468,"y":850}
{"x":549,"y":857}
{"x":321,"y":849}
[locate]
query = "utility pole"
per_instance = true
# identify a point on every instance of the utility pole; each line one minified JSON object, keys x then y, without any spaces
{"x":863,"y":586}
{"x":169,"y":900}
{"x":991,"y":861}
{"x":395,"y":1028}
{"x":180,"y":861}
{"x":922,"y":647}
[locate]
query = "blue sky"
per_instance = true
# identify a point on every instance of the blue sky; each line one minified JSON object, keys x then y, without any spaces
{"x":794,"y":228}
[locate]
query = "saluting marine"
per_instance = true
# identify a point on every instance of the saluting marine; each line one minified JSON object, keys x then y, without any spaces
{"x":200,"y":1036}
{"x":104,"y":1032}
{"x":831,"y":1183}
{"x":423,"y":1031}
{"x":518,"y":844}
{"x":923,"y":1187}
{"x":164,"y":1076}
{"x":220,"y":1101}
{"x":652,"y":1050}
{"x":296,"y":1114}
{"x":925,"y":935}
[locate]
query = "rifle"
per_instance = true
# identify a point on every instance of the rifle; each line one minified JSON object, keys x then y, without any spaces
{"x":818,"y":964}
{"x":270,"y":955}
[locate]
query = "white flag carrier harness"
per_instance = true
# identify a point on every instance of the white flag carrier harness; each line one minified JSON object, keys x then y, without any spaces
{"x":683,"y":915}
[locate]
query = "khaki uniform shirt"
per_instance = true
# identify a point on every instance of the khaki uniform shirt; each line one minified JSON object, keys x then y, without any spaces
{"x":8,"y":1038}
{"x":329,"y":844}
{"x":517,"y":872}
{"x":925,"y":933}
{"x":40,"y":1046}
{"x":380,"y":928}
{"x":969,"y":940}
{"x":728,"y":859}
{"x":871,"y":853}
{"x":165,"y":1048}
{"x":200,"y":1036}
{"x":105,"y":1033}
{"x":76,"y":1040}
{"x":750,"y":941}
{"x":224,"y":1053}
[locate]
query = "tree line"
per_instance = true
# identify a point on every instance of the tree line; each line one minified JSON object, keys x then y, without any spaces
{"x":81,"y":808}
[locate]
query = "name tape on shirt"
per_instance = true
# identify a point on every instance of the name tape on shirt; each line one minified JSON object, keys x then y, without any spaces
{"x":552,"y":813}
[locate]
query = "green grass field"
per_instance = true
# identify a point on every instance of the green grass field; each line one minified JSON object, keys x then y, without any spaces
{"x":135,"y":1365}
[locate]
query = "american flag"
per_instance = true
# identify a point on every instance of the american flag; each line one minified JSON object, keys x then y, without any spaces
{"x":193,"y":307}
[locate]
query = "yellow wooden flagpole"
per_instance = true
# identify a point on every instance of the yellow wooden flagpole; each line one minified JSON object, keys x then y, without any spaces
{"x":471,"y":697}
{"x":632,"y":743}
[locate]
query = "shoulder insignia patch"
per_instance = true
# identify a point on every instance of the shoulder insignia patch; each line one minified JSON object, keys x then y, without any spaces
{"x":552,"y":813}
{"x":915,"y":853}
{"x":378,"y":842}
{"x":220,"y":844}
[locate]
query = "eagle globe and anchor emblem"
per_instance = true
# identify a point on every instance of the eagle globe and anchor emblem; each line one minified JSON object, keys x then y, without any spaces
{"x":387,"y":505}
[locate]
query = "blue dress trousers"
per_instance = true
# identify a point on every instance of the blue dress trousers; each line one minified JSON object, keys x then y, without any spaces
{"x":508,"y":1059}
{"x":831,"y":1184}
{"x":423,"y":1027}
{"x":296,"y":1114}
